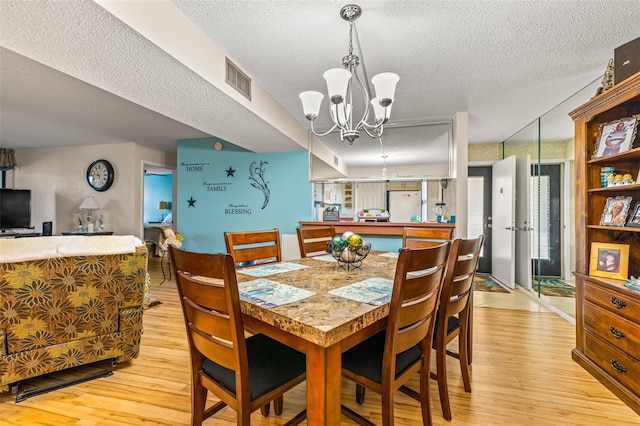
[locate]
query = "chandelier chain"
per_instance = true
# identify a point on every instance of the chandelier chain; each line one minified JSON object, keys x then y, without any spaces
{"x":350,"y":38}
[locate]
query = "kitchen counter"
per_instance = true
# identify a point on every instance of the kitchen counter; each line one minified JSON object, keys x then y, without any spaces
{"x":376,"y":228}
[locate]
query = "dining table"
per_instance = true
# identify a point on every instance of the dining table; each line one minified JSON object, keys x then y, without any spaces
{"x":321,"y":308}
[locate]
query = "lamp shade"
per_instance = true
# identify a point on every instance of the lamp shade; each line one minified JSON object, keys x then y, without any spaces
{"x":7,"y":159}
{"x":337,"y":83}
{"x":89,"y":203}
{"x":311,"y":103}
{"x":385,"y":85}
{"x":163,"y":205}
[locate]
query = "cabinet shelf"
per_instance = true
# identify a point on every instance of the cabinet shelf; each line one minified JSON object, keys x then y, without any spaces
{"x":614,"y":228}
{"x":632,"y":154}
{"x":620,"y":188}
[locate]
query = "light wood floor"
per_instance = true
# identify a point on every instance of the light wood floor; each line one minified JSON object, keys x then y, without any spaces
{"x":522,"y":374}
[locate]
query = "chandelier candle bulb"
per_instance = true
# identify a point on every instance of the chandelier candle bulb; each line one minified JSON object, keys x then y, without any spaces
{"x":343,"y":113}
{"x":380,"y":112}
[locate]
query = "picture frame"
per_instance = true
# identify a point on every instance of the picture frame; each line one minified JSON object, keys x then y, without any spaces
{"x":616,"y":137}
{"x":634,"y":217}
{"x":615,"y":211}
{"x":609,"y":260}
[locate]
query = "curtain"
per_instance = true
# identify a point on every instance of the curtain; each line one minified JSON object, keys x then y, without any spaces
{"x":7,"y":159}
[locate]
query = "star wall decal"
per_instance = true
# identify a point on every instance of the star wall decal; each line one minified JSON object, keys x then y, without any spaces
{"x":192,"y":202}
{"x":230,"y":172}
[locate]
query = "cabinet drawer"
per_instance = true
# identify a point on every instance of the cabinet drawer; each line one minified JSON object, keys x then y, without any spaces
{"x":616,"y":330}
{"x":618,"y":364}
{"x":614,"y":301}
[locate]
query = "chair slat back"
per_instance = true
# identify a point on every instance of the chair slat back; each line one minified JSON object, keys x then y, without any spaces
{"x":414,"y":300}
{"x":260,"y":246}
{"x":210,"y":302}
{"x":425,"y":237}
{"x":458,"y":283}
{"x":313,"y":241}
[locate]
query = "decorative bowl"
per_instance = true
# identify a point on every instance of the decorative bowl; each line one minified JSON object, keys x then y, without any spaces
{"x":348,"y":255}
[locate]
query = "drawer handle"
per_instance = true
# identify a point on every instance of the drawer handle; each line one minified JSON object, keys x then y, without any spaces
{"x":618,"y":303}
{"x":616,"y":333}
{"x":619,"y":367}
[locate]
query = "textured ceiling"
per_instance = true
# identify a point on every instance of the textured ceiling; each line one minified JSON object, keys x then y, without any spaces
{"x":505,"y":62}
{"x":81,"y":39}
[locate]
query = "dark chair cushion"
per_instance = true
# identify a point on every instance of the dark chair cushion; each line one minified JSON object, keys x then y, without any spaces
{"x":365,"y":358}
{"x":271,"y":364}
{"x":452,"y":323}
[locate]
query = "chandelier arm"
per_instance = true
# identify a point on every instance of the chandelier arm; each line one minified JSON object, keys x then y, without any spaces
{"x":377,"y":131}
{"x":322,"y":134}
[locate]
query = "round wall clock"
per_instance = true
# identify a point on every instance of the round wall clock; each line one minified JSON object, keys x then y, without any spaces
{"x":100,"y":175}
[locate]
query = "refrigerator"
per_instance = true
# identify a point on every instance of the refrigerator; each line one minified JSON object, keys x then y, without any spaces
{"x":403,"y":205}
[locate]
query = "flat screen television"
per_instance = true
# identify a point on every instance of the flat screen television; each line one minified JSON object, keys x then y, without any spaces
{"x":15,"y":208}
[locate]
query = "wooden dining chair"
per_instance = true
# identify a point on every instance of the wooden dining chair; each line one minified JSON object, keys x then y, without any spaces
{"x":313,"y":241}
{"x":245,"y":373}
{"x":455,"y":315}
{"x":388,"y":359}
{"x":413,"y":237}
{"x":254,"y":247}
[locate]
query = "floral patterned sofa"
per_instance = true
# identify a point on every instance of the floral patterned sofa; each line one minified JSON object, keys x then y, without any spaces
{"x":69,"y":301}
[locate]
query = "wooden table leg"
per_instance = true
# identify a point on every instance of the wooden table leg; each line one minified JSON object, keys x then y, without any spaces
{"x":323,"y":385}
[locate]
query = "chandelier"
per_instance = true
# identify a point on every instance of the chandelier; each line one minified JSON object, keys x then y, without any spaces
{"x":340,"y":87}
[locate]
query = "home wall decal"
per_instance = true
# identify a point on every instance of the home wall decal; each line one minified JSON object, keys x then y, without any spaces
{"x":238,"y":190}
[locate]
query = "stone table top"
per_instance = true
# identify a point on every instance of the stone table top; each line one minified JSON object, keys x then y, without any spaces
{"x":322,"y":318}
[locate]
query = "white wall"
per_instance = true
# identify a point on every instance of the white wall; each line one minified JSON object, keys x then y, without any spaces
{"x":460,"y":171}
{"x":58,"y":184}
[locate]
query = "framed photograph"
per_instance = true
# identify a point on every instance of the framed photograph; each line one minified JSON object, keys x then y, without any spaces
{"x":634,"y":217}
{"x":609,"y":260}
{"x":615,"y":211}
{"x":616,"y":137}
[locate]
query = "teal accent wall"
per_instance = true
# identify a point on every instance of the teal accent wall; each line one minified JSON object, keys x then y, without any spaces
{"x":216,"y":192}
{"x":384,"y":242}
{"x":156,"y":188}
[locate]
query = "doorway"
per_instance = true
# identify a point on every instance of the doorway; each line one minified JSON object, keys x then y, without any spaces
{"x":479,"y":211}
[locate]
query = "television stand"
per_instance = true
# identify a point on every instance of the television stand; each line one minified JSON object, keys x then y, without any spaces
{"x":19,"y":234}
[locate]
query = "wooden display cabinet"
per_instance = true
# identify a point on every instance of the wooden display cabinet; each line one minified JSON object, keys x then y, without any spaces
{"x":607,"y":312}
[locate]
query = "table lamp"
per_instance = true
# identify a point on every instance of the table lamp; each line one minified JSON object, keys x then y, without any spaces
{"x":89,"y":204}
{"x":163,"y":205}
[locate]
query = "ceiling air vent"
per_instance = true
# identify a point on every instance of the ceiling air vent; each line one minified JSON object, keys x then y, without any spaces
{"x":237,"y":79}
{"x":335,"y":161}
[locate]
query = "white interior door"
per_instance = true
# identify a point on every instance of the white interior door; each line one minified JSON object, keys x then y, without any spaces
{"x":523,"y":221}
{"x":503,"y":209}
